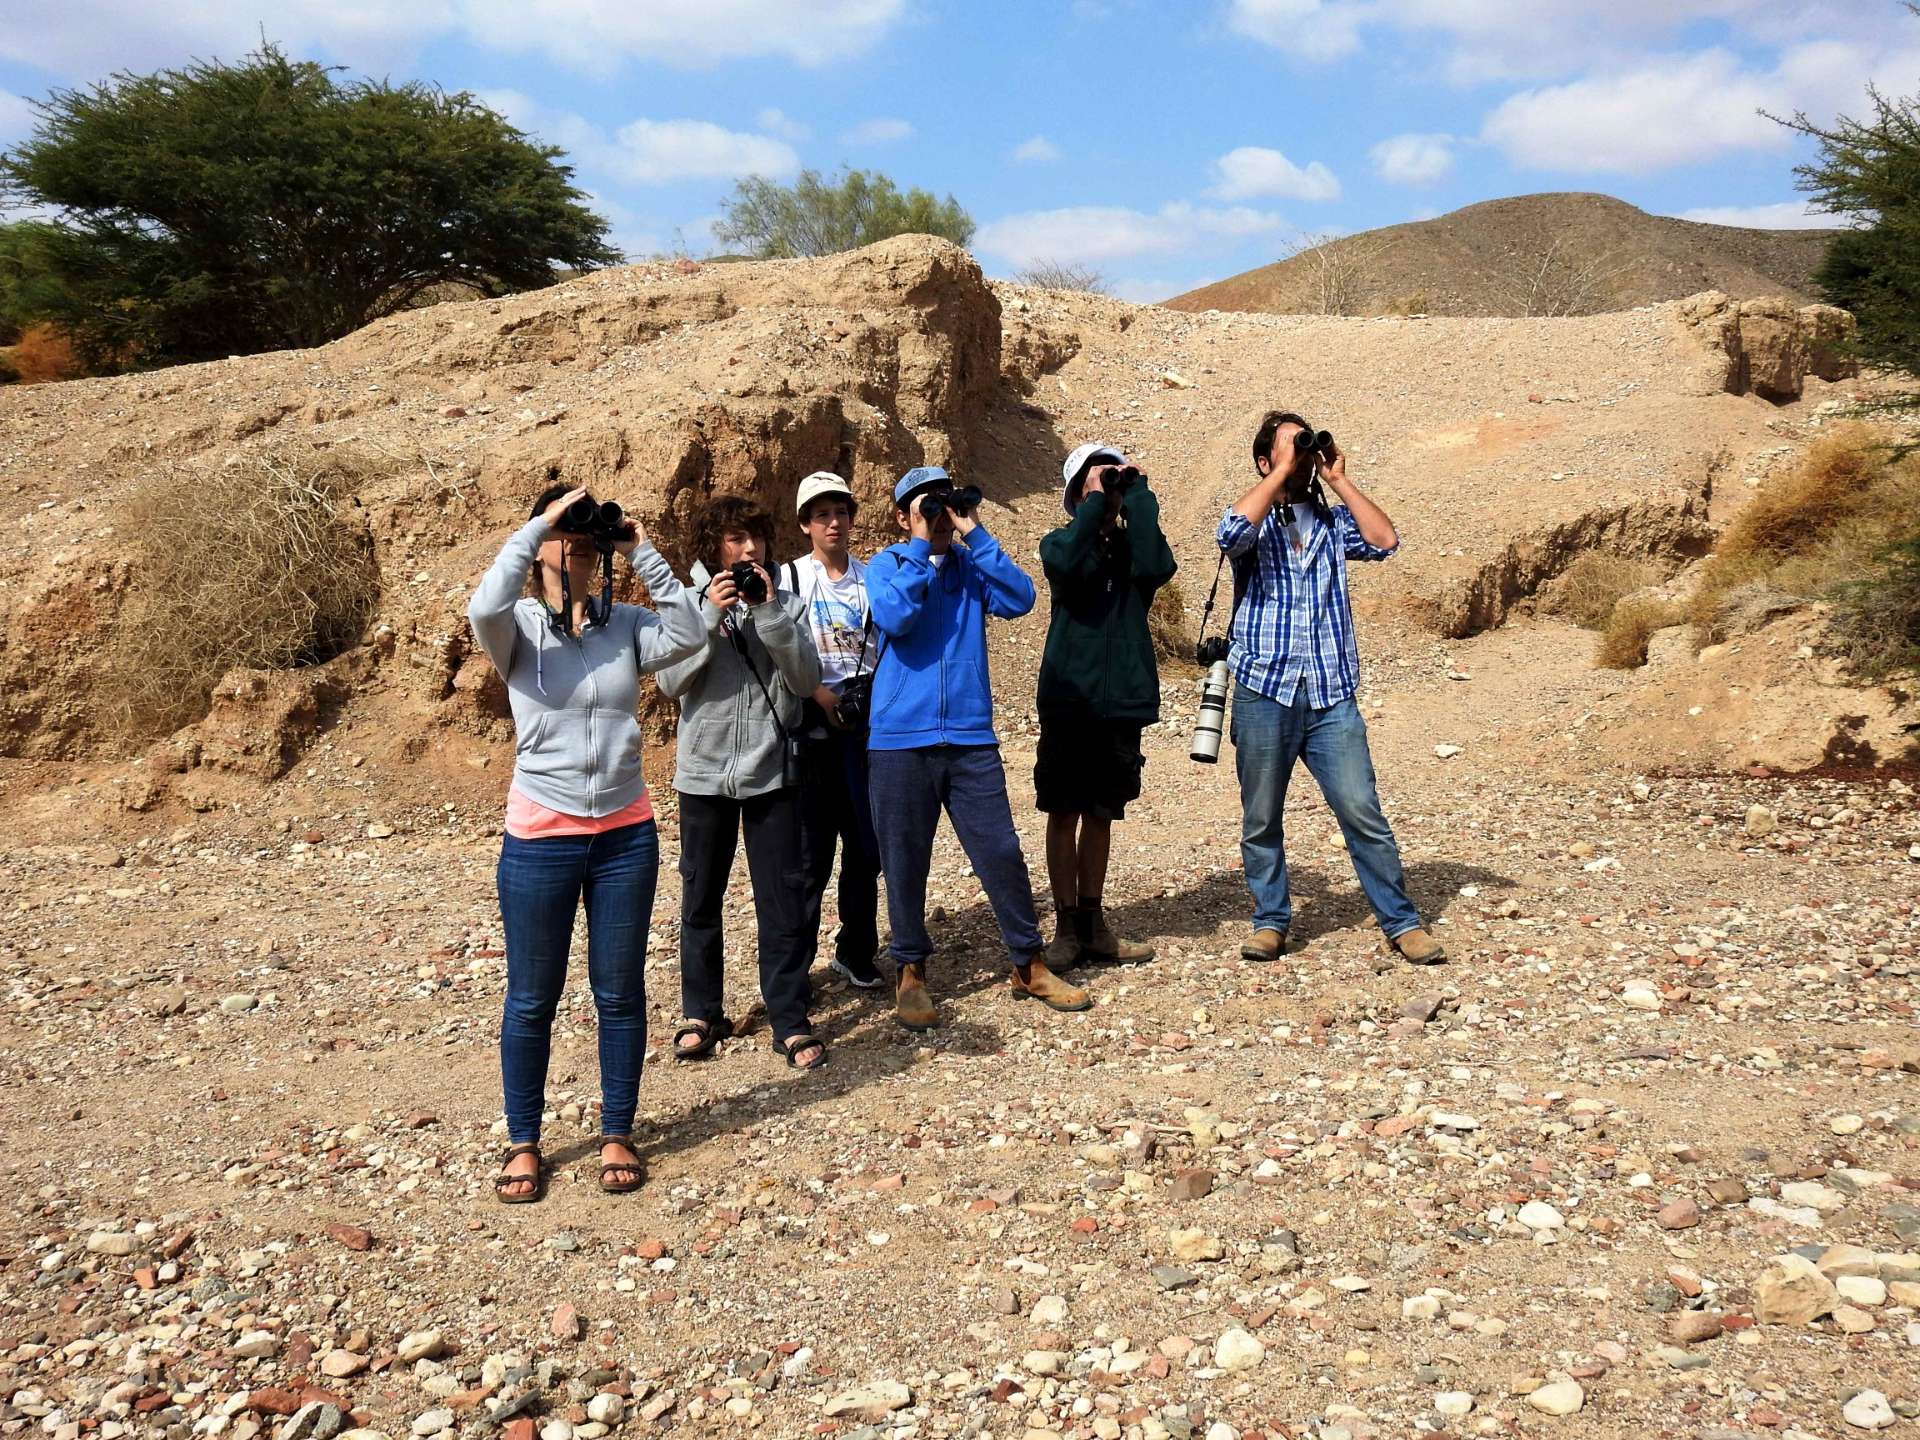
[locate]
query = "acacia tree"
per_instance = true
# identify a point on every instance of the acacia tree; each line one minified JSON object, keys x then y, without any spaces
{"x":227,"y":209}
{"x":822,"y":217}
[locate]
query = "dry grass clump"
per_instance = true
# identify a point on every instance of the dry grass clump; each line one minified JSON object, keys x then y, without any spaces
{"x":42,"y":353}
{"x":1168,"y":625}
{"x":1877,"y":617}
{"x":1589,"y":589}
{"x":1812,"y":533}
{"x":263,"y":563}
{"x":1633,"y":622}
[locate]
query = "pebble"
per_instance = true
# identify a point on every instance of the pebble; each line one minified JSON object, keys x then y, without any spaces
{"x":1846,"y":1124}
{"x":1538,"y":1215}
{"x":873,"y":1401}
{"x":1862,"y":1289}
{"x":1678,"y":1215}
{"x":112,"y":1242}
{"x":1192,"y":1245}
{"x":432,"y":1422}
{"x":1236,"y":1349}
{"x":420,"y":1345}
{"x":1760,"y":821}
{"x":606,"y":1409}
{"x":1453,"y":1403}
{"x":1558,"y":1397}
{"x":1793,"y":1292}
{"x":1049,"y":1312}
{"x":1868,"y":1410}
{"x":238,"y":1004}
{"x":1637,"y":995}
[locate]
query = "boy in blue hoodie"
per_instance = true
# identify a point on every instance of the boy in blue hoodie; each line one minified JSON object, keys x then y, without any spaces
{"x":931,"y":743}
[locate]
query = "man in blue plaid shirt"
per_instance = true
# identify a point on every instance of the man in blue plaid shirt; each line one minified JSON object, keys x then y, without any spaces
{"x":1295,"y":668}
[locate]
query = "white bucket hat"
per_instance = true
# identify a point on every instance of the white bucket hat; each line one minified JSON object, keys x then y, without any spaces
{"x":1079,"y":460}
{"x":821,"y":482}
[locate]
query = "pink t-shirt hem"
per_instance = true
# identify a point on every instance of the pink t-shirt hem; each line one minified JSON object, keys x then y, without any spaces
{"x":527,"y":819}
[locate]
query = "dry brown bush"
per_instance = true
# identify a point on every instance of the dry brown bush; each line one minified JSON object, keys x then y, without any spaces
{"x":263,"y":563}
{"x":1168,"y":624}
{"x":1592,"y":585}
{"x":1811,"y":531}
{"x":43,"y":353}
{"x":1623,"y":640}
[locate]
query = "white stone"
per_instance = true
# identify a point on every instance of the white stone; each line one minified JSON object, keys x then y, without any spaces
{"x":1447,"y":752}
{"x":1538,"y":1215}
{"x":607,"y":1409}
{"x":878,"y":1399}
{"x":1868,"y":1410}
{"x":1862,"y":1289}
{"x":1453,"y":1403}
{"x":1237,"y":1350}
{"x":420,"y":1345}
{"x":1638,"y":995}
{"x":239,"y":1004}
{"x":1420,"y":1307}
{"x":1760,"y":821}
{"x":432,"y":1422}
{"x":1814,"y":1195}
{"x":1846,"y":1124}
{"x":1558,"y":1397}
{"x":1049,"y":1312}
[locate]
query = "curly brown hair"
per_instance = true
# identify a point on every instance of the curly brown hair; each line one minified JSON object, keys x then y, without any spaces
{"x":724,"y":514}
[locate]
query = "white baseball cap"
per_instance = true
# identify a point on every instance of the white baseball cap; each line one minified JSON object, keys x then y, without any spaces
{"x":1079,"y":460}
{"x":821,"y":482}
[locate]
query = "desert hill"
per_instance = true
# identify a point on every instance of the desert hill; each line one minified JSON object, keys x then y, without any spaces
{"x":254,"y":967}
{"x":1529,"y":254}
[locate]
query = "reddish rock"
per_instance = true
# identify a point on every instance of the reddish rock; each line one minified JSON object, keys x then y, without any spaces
{"x":272,"y":1402}
{"x":146,"y":1277}
{"x":518,"y":1428}
{"x":1680,"y":1214}
{"x":566,"y":1323}
{"x":1192,"y":1184}
{"x":981,"y":1206}
{"x":1396,"y":1125}
{"x":1766,"y":1415}
{"x":353,"y":1237}
{"x":1085,"y":1225}
{"x":1690,"y":1327}
{"x":650,"y":1249}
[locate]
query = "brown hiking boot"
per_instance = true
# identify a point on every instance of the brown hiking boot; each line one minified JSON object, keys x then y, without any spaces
{"x":912,"y":1006}
{"x":1035,"y":980}
{"x":1264,"y":945}
{"x":1107,"y":948}
{"x":1417,"y":947}
{"x":1063,"y":952}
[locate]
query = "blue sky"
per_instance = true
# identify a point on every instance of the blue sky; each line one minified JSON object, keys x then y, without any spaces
{"x":1165,"y":144}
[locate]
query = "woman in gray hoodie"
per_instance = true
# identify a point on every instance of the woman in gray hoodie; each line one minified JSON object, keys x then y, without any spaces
{"x":579,"y":823}
{"x":739,"y":700}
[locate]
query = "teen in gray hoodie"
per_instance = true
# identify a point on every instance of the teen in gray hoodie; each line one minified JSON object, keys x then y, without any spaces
{"x":739,"y":704}
{"x":578,"y":819}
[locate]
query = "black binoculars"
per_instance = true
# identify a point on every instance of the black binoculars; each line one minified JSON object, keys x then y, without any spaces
{"x":1122,"y":480}
{"x":1316,"y":440}
{"x":601,"y":521}
{"x":935,"y":502}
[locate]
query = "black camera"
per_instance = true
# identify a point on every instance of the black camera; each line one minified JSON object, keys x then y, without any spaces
{"x":1211,"y":651}
{"x":1315,"y":440}
{"x":959,"y":500}
{"x":601,"y":521}
{"x":747,"y":581}
{"x":856,"y":702}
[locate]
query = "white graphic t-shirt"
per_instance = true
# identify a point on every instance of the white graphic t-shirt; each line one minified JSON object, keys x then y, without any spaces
{"x":837,"y":610}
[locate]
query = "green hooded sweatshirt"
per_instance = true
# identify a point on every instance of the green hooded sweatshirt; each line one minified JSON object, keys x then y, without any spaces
{"x":1099,"y":662}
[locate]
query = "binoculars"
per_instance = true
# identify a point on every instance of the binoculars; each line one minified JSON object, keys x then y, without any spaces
{"x":1315,"y":440}
{"x":601,"y":521}
{"x":936,"y":502}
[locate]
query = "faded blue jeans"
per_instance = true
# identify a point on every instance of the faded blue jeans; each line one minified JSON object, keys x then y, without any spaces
{"x":1268,"y":737}
{"x":542,"y":883}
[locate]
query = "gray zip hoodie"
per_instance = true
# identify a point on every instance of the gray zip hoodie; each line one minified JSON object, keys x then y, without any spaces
{"x":575,"y":697}
{"x":728,"y":743}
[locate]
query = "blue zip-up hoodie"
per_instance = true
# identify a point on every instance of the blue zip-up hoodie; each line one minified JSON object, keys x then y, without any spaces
{"x":930,"y":687}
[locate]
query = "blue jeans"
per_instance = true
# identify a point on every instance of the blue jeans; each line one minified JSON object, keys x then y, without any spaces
{"x":1268,"y":737}
{"x":908,"y":790}
{"x":541,"y":885}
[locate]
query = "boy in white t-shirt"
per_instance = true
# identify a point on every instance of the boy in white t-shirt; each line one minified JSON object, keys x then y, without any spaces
{"x":834,"y":772}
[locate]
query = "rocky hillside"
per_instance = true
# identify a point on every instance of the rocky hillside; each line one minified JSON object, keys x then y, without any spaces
{"x":1503,"y":447}
{"x":1527,"y":255}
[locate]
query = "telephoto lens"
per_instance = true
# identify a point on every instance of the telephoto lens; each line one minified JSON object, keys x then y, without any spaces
{"x":1212,"y":724}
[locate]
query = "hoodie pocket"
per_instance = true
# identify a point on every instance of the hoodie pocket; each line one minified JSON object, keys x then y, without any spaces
{"x":970,"y":701}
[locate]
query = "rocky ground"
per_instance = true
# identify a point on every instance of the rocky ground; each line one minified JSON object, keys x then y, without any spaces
{"x":1641,"y":1159}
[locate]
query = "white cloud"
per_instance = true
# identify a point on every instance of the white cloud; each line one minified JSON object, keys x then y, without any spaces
{"x":86,"y":39}
{"x":1783,"y":215}
{"x":16,"y":118}
{"x":1251,"y":172}
{"x":1413,"y":159}
{"x":1310,"y":29}
{"x":885,"y":130}
{"x":1675,"y":110}
{"x":646,"y":152}
{"x":1038,"y":150}
{"x":1094,"y":234}
{"x":654,"y":152}
{"x":784,"y":126}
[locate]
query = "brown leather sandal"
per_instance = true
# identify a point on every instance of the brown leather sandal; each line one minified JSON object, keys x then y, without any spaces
{"x":631,"y":1167}
{"x":505,"y":1181}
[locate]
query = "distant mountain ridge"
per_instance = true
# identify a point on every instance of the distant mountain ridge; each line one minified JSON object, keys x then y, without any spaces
{"x":1569,"y":253}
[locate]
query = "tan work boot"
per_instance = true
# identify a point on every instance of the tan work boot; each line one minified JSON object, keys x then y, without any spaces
{"x":1264,"y":945}
{"x":1417,"y":947}
{"x":1107,"y":948}
{"x":912,"y":1006}
{"x":1034,"y":980}
{"x":1063,"y":951}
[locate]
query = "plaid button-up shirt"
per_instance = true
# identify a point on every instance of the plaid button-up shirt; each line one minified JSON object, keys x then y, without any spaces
{"x":1294,"y":625}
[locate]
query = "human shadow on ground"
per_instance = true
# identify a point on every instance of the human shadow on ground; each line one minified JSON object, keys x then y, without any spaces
{"x":868,"y":1046}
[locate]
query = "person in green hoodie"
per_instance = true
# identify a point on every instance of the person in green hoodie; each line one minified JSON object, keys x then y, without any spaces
{"x":1099,"y":688}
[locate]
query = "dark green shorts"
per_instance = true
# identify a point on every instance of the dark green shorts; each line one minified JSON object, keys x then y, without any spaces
{"x":1088,"y":767}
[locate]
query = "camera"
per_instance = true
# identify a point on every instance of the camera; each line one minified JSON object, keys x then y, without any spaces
{"x":961,"y":500}
{"x":856,"y":701}
{"x":1211,"y":651}
{"x":747,"y":581}
{"x":601,"y":521}
{"x":1212,"y":724}
{"x":1315,"y":440}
